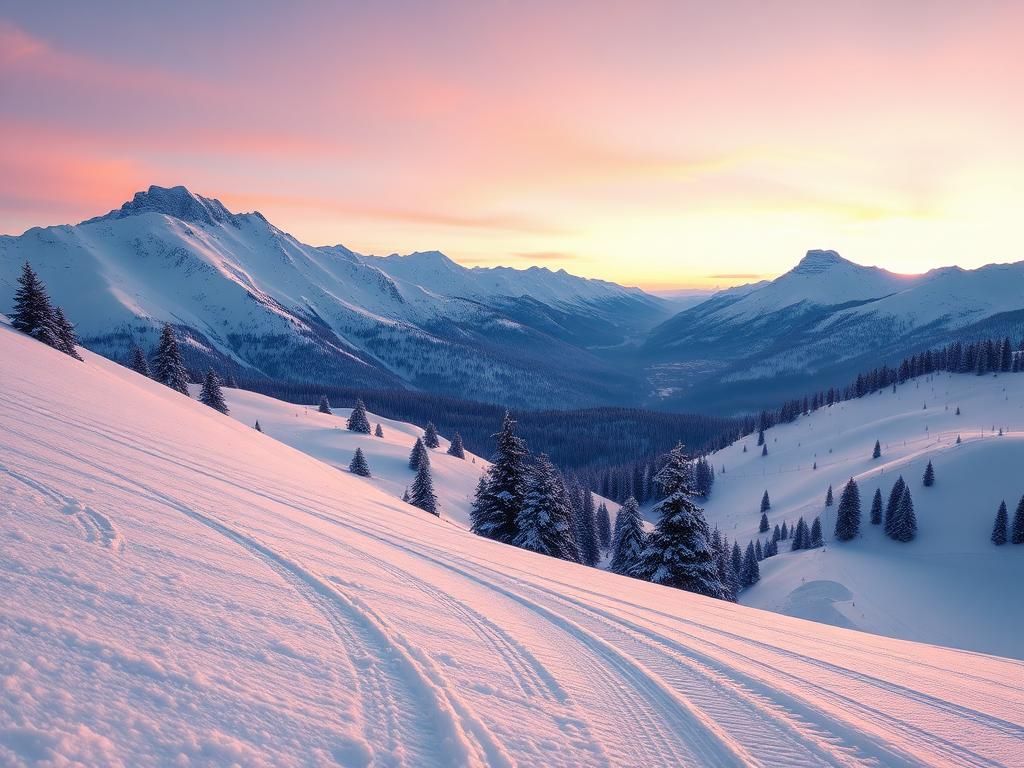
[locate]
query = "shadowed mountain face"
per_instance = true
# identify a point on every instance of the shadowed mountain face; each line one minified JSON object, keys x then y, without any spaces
{"x":254,"y":301}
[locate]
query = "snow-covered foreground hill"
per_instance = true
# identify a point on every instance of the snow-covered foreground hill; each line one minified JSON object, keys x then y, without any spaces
{"x":180,"y":589}
{"x":951,"y":585}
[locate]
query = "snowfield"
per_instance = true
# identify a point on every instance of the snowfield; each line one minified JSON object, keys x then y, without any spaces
{"x":951,"y":585}
{"x":179,"y":589}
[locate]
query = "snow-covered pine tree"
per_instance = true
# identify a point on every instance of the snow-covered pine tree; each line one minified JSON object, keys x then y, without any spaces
{"x":33,"y":313}
{"x":495,"y":509}
{"x":421,"y":494}
{"x":604,"y":527}
{"x":929,"y":475}
{"x":67,"y":339}
{"x":894,"y":501}
{"x":799,"y":536}
{"x":168,"y":366}
{"x":785,"y":531}
{"x":751,"y":573}
{"x":1017,"y":530}
{"x":764,"y":523}
{"x":378,"y":432}
{"x":776,"y":533}
{"x":766,"y":503}
{"x":905,"y":526}
{"x":358,"y":465}
{"x":325,"y":405}
{"x":878,"y":450}
{"x":817,"y":539}
{"x":629,"y":540}
{"x":455,"y":447}
{"x":211,"y":393}
{"x":430,"y":436}
{"x":764,"y":449}
{"x":418,"y":455}
{"x":586,"y":531}
{"x":999,"y":529}
{"x":545,"y":521}
{"x":848,"y":516}
{"x":678,"y":552}
{"x":357,"y":421}
{"x":736,"y":559}
{"x":760,"y":437}
{"x":876,"y":507}
{"x":829,"y":498}
{"x":723,"y":562}
{"x":758,"y":553}
{"x":138,"y":363}
{"x":257,"y":426}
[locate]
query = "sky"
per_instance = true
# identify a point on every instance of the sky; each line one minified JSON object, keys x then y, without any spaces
{"x":676,"y":144}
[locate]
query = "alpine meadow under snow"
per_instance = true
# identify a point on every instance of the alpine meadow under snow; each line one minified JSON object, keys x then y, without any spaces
{"x":181,"y":588}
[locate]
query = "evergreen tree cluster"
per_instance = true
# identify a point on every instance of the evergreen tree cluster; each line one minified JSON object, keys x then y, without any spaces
{"x":1002,"y":531}
{"x":34,"y":314}
{"x":900,"y":523}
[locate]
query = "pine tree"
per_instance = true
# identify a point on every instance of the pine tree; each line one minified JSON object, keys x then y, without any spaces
{"x":758,"y":553}
{"x":496,"y":508}
{"x":168,"y":367}
{"x":890,"y":509}
{"x":764,"y":523}
{"x":905,"y":526}
{"x":629,"y":540}
{"x":1017,"y":532}
{"x":876,"y":507}
{"x":828,"y":497}
{"x":604,"y":527}
{"x":785,"y":531}
{"x":764,"y":449}
{"x":799,"y":536}
{"x":257,"y":426}
{"x":760,"y":437}
{"x":33,"y":314}
{"x":848,"y":516}
{"x":358,"y":465}
{"x":405,"y":495}
{"x":720,"y":546}
{"x":999,"y":529}
{"x":929,"y":475}
{"x":586,"y":531}
{"x":455,"y":448}
{"x":325,"y":405}
{"x":430,"y":436}
{"x":418,"y":456}
{"x":67,"y":339}
{"x":378,"y":432}
{"x":765,"y":502}
{"x":544,"y":523}
{"x":776,"y":533}
{"x":357,"y":421}
{"x":211,"y":393}
{"x":958,"y":441}
{"x":817,"y":539}
{"x":878,"y":450}
{"x":751,"y":572}
{"x":138,"y":363}
{"x":678,"y":552}
{"x":421,"y":494}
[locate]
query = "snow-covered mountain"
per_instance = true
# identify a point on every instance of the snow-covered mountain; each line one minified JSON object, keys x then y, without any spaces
{"x":180,"y":589}
{"x":820,"y":322}
{"x":951,"y":585}
{"x":260,"y":303}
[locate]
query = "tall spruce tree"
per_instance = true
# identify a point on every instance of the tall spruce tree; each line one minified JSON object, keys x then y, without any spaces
{"x":776,"y":533}
{"x":586,"y":530}
{"x":799,"y":536}
{"x":211,"y":393}
{"x":736,"y":558}
{"x":138,"y":363}
{"x":168,"y":366}
{"x":421,"y":494}
{"x":418,"y":455}
{"x":817,"y":538}
{"x":455,"y":447}
{"x":876,"y":507}
{"x":758,"y":552}
{"x":890,"y":508}
{"x":359,"y":465}
{"x":495,"y":510}
{"x":604,"y":527}
{"x":357,"y":421}
{"x":751,"y":573}
{"x":999,"y":528}
{"x":544,"y":523}
{"x":766,"y":503}
{"x":905,"y":525}
{"x":67,"y":339}
{"x":878,"y":450}
{"x":723,"y":562}
{"x":764,"y":523}
{"x":829,"y":498}
{"x":629,"y":539}
{"x":430,"y":436}
{"x":929,"y":475}
{"x":33,"y":313}
{"x":848,"y":516}
{"x":678,"y":552}
{"x":325,"y":405}
{"x":1017,"y":531}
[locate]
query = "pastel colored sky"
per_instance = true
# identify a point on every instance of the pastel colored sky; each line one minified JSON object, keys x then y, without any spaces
{"x":660,"y":144}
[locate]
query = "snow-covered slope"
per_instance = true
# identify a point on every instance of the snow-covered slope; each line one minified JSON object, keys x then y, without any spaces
{"x":951,"y":585}
{"x":258,"y":302}
{"x":180,"y":589}
{"x":821,"y":321}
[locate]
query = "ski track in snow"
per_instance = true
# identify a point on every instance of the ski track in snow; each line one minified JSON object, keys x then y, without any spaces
{"x":460,"y":652}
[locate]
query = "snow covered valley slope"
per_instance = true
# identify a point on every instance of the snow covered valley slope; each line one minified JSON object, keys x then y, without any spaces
{"x":180,"y":589}
{"x":950,"y":585}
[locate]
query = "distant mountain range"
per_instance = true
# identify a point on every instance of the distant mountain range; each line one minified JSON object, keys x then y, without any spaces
{"x":254,"y":301}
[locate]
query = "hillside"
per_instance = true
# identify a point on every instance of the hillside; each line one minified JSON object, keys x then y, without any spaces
{"x":950,"y":585}
{"x":182,"y":589}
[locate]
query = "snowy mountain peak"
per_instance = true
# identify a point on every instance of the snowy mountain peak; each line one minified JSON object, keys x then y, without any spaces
{"x":178,"y":202}
{"x":817,"y":261}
